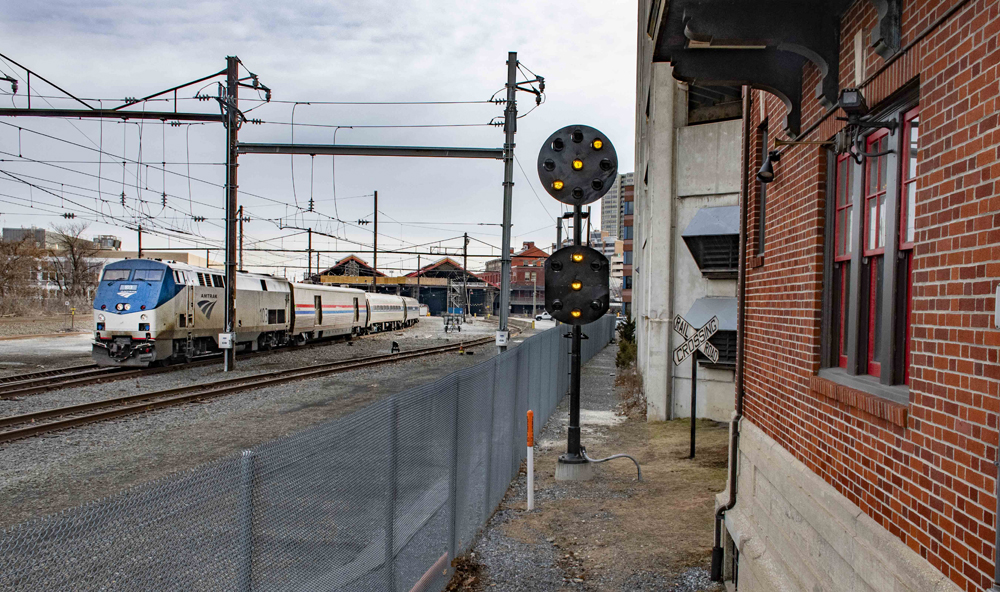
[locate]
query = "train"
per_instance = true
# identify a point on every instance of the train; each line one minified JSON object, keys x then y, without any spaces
{"x":151,"y":312}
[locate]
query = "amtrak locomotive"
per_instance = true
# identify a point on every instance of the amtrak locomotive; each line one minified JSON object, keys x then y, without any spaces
{"x":148,"y":311}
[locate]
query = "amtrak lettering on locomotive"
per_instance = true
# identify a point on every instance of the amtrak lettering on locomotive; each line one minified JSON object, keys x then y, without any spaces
{"x":148,"y":311}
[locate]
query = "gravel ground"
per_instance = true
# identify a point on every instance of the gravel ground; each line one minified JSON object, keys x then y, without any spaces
{"x":610,"y":533}
{"x":23,"y":355}
{"x":43,"y":475}
{"x":10,"y":327}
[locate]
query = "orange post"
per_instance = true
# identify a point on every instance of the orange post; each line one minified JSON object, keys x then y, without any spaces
{"x":531,"y":428}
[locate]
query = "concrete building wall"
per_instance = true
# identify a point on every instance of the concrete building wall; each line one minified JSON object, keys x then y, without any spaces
{"x":654,"y":227}
{"x":708,"y":175}
{"x":680,"y":169}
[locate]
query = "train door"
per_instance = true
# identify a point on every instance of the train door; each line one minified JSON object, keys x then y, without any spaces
{"x":318,"y":305}
{"x":357,"y":311}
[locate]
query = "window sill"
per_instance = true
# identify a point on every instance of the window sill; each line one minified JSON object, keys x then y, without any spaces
{"x":890,"y":403}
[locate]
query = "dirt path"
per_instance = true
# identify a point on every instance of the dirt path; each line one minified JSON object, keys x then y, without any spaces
{"x":611,"y":533}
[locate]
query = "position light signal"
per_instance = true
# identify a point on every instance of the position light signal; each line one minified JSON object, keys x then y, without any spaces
{"x":578,"y":158}
{"x":577,"y":285}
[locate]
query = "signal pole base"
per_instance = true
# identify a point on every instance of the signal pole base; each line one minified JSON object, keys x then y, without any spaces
{"x":574,"y":468}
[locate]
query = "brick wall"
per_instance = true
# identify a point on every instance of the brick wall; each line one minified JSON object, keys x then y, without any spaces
{"x":924,"y":471}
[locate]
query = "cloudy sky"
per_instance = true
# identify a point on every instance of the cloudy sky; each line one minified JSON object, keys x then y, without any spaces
{"x":305,"y":50}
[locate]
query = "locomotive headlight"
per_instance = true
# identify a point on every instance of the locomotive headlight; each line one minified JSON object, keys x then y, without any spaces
{"x":142,"y":317}
{"x":128,"y":306}
{"x":100,"y":317}
{"x":119,"y":306}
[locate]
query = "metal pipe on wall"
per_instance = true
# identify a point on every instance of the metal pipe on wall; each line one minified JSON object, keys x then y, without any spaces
{"x":734,"y":428}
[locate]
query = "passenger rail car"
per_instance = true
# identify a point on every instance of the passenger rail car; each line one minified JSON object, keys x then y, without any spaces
{"x":386,"y":312}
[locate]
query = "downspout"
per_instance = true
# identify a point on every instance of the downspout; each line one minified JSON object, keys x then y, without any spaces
{"x":734,"y":427}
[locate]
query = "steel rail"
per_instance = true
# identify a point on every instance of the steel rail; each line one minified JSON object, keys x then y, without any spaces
{"x":133,"y":404}
{"x":45,"y":373}
{"x":37,"y":382}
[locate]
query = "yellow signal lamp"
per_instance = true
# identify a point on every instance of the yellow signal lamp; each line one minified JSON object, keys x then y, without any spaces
{"x":597,"y":144}
{"x":575,"y":313}
{"x":577,"y":257}
{"x":576,"y":285}
{"x":558,"y":185}
{"x":577,"y":164}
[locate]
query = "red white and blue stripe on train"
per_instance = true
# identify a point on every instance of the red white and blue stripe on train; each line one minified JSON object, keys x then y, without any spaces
{"x":149,"y":311}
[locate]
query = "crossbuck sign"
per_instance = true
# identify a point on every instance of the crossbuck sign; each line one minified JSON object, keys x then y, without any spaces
{"x":695,"y":339}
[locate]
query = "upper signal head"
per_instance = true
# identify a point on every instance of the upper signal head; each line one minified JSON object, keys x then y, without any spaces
{"x":577,"y":165}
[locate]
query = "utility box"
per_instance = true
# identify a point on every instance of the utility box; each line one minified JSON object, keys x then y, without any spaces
{"x":226,"y":340}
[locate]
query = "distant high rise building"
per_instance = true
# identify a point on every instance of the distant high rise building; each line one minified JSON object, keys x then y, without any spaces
{"x":611,"y":205}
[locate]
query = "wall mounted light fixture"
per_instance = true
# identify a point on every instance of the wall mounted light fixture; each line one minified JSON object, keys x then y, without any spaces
{"x":766,"y":172}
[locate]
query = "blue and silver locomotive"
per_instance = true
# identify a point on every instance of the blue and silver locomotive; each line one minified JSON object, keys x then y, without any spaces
{"x":148,"y":311}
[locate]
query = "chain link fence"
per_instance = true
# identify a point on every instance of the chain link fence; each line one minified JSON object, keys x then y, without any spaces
{"x":381,"y":499}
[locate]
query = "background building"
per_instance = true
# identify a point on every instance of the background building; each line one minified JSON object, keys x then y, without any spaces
{"x":611,"y":205}
{"x":527,"y":280}
{"x":864,"y":455}
{"x":626,"y":236}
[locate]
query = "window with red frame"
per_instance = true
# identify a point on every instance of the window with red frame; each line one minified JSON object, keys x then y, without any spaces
{"x":876,"y":182}
{"x":907,"y":220}
{"x":843,"y":222}
{"x":871,"y":220}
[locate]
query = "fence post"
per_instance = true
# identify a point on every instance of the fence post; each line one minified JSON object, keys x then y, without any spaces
{"x":515,"y":457}
{"x":246,"y":511}
{"x":488,"y":504}
{"x":390,"y":512}
{"x":453,"y":481}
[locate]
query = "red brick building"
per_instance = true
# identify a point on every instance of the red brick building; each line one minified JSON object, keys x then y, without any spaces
{"x":628,"y":201}
{"x":527,"y":279}
{"x":868,"y":388}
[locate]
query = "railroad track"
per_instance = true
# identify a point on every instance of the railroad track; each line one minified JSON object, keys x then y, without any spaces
{"x":21,"y":385}
{"x":60,"y":418}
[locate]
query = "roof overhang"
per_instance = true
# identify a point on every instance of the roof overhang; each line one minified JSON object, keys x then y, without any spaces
{"x":765,"y":45}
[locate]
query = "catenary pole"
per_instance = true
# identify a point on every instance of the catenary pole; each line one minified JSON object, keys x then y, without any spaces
{"x":232,"y":97}
{"x":375,"y":248}
{"x":309,"y":266}
{"x":510,"y":127}
{"x":465,"y":276}
{"x":140,"y":241}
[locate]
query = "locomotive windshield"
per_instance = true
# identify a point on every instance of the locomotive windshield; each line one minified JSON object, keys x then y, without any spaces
{"x":115,"y":275}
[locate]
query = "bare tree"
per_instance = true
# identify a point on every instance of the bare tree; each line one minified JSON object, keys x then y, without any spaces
{"x":18,"y":260}
{"x":73,"y":259}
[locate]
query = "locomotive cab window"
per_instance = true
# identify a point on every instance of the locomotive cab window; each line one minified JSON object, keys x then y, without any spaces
{"x":148,"y":275}
{"x":263,"y":285}
{"x":115,"y":275}
{"x":218,"y":281}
